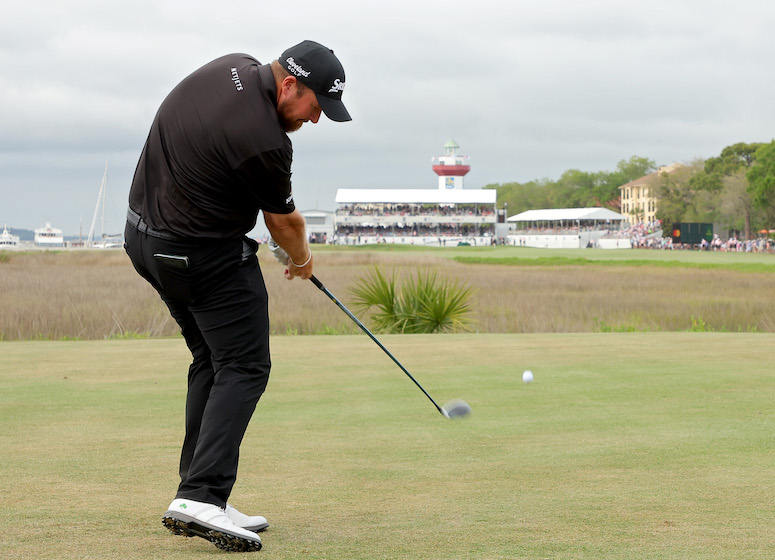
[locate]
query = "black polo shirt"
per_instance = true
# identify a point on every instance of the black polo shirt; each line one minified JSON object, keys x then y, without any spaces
{"x":216,"y":154}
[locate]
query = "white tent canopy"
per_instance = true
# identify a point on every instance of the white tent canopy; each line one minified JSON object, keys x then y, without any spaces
{"x":567,"y":215}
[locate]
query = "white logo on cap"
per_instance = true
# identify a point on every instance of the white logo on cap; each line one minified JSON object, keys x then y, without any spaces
{"x":338,"y":86}
{"x":295,"y":68}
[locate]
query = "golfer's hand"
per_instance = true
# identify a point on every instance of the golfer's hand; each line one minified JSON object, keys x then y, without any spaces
{"x":304,"y":272}
{"x":278,"y":252}
{"x":292,"y":270}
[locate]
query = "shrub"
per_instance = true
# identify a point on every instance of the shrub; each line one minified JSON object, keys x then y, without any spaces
{"x":424,"y":304}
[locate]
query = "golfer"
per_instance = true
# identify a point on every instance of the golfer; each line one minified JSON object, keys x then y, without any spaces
{"x":218,"y":153}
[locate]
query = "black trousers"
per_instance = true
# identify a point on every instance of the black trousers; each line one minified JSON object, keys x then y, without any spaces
{"x":215,"y":291}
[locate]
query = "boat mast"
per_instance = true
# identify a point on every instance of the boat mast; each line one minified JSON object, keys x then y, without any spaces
{"x":100,"y":198}
{"x":103,"y":190}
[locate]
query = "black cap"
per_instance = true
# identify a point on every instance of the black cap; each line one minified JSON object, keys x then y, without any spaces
{"x":317,"y":67}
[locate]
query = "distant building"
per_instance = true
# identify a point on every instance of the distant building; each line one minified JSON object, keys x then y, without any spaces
{"x":639,"y":197}
{"x":451,"y":168}
{"x":320,"y":225}
{"x":447,"y":215}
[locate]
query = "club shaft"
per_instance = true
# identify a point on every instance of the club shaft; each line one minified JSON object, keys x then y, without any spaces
{"x":341,"y":306}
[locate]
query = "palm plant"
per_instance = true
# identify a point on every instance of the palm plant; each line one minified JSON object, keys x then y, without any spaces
{"x":424,"y":304}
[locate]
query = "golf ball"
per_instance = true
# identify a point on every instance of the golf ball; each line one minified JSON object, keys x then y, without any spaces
{"x":527,"y":376}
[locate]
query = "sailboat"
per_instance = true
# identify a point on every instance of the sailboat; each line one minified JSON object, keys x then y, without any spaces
{"x":105,"y":242}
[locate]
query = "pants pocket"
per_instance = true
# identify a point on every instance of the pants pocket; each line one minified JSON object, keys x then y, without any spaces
{"x":174,"y":274}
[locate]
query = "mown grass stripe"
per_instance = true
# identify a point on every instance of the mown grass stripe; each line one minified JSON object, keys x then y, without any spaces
{"x":580,"y":261}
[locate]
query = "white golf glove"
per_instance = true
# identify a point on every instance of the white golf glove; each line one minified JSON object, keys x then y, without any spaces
{"x":278,"y":252}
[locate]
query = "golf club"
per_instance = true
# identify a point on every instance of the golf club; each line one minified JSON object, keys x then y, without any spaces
{"x":453,"y":409}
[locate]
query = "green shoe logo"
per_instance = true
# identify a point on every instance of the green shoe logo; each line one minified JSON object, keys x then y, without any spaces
{"x":184,"y":506}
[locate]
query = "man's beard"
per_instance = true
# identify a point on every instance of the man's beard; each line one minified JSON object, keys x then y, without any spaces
{"x":288,"y":124}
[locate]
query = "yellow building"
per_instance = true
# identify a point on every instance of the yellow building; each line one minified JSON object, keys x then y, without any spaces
{"x":639,"y":197}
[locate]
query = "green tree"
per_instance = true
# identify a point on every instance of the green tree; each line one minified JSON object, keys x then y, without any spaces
{"x":732,"y":158}
{"x":713,"y":191}
{"x":521,"y":196}
{"x":736,"y":203}
{"x":574,"y":188}
{"x":626,"y":170}
{"x":718,"y":189}
{"x":675,"y":193}
{"x":761,"y":177}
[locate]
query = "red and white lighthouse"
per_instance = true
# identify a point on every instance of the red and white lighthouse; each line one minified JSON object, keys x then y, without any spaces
{"x":451,"y":168}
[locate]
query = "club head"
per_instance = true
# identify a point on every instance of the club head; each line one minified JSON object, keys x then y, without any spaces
{"x":456,"y":409}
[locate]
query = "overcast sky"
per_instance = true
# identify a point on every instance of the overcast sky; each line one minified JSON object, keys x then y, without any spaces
{"x":528,"y":89}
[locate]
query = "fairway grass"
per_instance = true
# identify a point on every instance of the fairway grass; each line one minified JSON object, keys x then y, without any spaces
{"x":626,"y":446}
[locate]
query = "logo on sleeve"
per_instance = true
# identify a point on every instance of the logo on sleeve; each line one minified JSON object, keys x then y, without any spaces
{"x":236,"y":80}
{"x":289,"y":200}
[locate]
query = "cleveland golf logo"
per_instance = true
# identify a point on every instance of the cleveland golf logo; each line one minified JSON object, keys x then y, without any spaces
{"x":295,"y":68}
{"x":338,"y":86}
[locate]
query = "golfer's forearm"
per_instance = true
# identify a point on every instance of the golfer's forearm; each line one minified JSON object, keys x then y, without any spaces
{"x":289,"y":232}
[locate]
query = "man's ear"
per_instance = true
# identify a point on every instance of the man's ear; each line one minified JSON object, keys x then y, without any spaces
{"x":288,"y":85}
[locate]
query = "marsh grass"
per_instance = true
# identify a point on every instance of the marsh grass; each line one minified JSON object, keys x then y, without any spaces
{"x":77,"y":295}
{"x":95,"y":295}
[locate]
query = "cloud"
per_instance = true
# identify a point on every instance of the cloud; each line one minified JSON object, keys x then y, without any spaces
{"x":527,"y":89}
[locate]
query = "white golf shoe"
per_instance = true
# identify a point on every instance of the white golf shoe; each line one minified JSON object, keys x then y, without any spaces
{"x":255,"y":523}
{"x":198,"y":519}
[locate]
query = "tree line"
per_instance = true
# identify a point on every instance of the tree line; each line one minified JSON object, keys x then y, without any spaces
{"x":734,"y":190}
